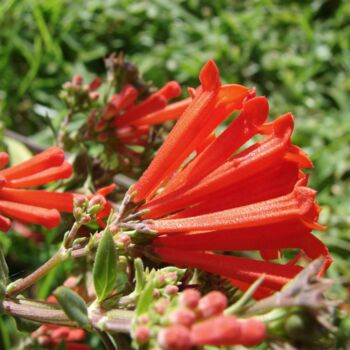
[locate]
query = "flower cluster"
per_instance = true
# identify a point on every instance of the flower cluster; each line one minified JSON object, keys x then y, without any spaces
{"x":39,"y":206}
{"x":191,"y":320}
{"x":125,"y":122}
{"x":204,"y":194}
{"x":34,"y":206}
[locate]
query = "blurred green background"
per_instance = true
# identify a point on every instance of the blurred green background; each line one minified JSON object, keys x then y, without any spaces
{"x":297,"y":53}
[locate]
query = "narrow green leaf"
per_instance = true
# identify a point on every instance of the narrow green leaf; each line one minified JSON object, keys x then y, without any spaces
{"x":4,"y":270}
{"x":139,"y":275}
{"x":145,"y":299}
{"x":105,"y":267}
{"x":73,"y":305}
{"x":26,"y":325}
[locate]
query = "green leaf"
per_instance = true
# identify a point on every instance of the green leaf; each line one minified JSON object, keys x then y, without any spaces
{"x":73,"y":305}
{"x":145,"y":299}
{"x":4,"y":270}
{"x":26,"y":325}
{"x":105,"y":267}
{"x":18,"y":151}
{"x":139,"y":276}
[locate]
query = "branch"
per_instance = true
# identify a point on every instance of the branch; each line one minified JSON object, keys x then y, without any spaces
{"x":116,"y":321}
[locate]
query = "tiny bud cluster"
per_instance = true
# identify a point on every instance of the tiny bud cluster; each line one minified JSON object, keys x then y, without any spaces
{"x":184,"y":320}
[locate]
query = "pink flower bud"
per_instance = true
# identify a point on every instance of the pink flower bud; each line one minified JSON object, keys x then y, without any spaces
{"x":97,"y":200}
{"x":114,"y":228}
{"x":183,"y":316}
{"x":86,"y":219}
{"x":171,"y":289}
{"x":160,"y":280}
{"x":79,"y":200}
{"x":190,"y":298}
{"x":171,"y":277}
{"x":156,"y":293}
{"x":175,"y":337}
{"x":94,"y":95}
{"x":212,"y":304}
{"x":142,"y":334}
{"x":143,"y":319}
{"x":161,"y":306}
{"x":124,"y":239}
{"x":77,"y":80}
{"x":253,"y":332}
{"x":217,"y":331}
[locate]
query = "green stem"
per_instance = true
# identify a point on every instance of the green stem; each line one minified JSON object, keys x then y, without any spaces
{"x":118,"y":321}
{"x":24,"y":283}
{"x":69,"y":239}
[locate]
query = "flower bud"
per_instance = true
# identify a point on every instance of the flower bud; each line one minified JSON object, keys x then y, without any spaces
{"x":96,"y":204}
{"x":94,"y":95}
{"x":85,"y":219}
{"x":175,"y":337}
{"x":143,"y":319}
{"x":80,"y":201}
{"x":217,"y":331}
{"x":124,"y":239}
{"x":77,"y":80}
{"x":253,"y":332}
{"x":171,"y":289}
{"x":212,"y":304}
{"x":142,"y":334}
{"x":190,"y":298}
{"x":183,"y":316}
{"x":161,"y":306}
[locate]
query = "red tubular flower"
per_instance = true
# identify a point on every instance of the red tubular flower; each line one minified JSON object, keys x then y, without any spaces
{"x":203,"y":194}
{"x":130,"y":121}
{"x":34,"y":206}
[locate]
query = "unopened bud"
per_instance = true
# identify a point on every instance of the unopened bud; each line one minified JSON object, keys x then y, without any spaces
{"x":114,"y":228}
{"x":212,"y":304}
{"x":156,"y":293}
{"x":142,"y":334}
{"x":143,"y":319}
{"x":175,"y":337}
{"x":79,"y":201}
{"x":170,"y":277}
{"x":94,"y":95}
{"x":183,"y":316}
{"x":85,"y":219}
{"x":171,"y":289}
{"x":217,"y":331}
{"x":77,"y":213}
{"x":253,"y":332}
{"x":124,"y":239}
{"x":190,"y":298}
{"x":96,"y":204}
{"x":161,"y":306}
{"x":77,"y":80}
